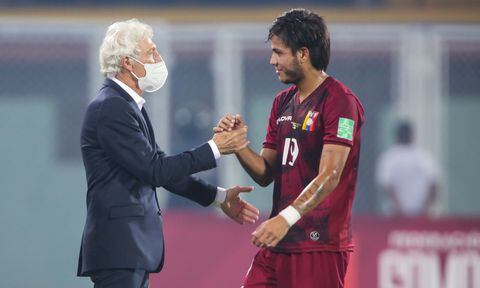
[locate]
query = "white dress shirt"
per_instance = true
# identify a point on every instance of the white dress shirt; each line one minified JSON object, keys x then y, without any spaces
{"x":137,"y":98}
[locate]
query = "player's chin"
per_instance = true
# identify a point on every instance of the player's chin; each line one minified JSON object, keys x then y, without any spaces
{"x":286,"y":80}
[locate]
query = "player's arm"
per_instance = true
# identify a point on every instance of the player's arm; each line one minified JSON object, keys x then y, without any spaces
{"x":258,"y":166}
{"x":332,"y":162}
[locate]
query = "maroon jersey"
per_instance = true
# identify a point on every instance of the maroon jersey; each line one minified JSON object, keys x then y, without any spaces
{"x":332,"y":114}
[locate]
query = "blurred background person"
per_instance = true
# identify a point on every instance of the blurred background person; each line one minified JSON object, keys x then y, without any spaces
{"x":408,"y":175}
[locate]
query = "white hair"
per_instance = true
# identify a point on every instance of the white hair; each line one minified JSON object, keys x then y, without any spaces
{"x":121,"y":40}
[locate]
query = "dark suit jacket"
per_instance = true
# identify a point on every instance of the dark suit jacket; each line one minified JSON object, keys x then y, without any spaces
{"x":123,"y":166}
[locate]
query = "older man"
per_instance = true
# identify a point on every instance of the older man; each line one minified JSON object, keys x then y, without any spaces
{"x":123,"y":240}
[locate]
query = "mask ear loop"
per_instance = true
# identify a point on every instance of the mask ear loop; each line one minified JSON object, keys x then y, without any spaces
{"x":130,"y":57}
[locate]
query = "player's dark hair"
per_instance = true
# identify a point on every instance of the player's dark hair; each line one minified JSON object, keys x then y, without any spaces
{"x":404,"y":132}
{"x":299,"y":28}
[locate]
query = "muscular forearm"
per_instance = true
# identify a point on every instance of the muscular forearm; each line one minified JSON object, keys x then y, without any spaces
{"x":330,"y":169}
{"x":315,"y":192}
{"x":256,"y":166}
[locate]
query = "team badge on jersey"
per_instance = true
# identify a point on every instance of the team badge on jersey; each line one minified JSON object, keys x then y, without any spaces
{"x":345,"y":128}
{"x":309,"y":122}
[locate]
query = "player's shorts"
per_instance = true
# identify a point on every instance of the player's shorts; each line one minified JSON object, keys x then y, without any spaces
{"x":320,"y":269}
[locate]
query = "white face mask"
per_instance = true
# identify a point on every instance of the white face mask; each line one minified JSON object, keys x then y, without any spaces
{"x":155,"y":76}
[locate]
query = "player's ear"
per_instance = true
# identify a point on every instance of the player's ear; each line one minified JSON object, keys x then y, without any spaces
{"x":303,"y":54}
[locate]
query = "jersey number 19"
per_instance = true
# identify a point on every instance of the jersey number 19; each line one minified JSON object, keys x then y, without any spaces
{"x":290,"y":151}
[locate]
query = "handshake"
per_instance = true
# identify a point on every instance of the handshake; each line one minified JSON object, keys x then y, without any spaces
{"x":230,"y":134}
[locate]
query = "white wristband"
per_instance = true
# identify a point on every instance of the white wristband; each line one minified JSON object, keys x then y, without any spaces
{"x":290,"y":214}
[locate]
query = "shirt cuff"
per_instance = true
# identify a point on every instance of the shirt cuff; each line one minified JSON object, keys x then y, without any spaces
{"x":215,"y":150}
{"x":220,"y":197}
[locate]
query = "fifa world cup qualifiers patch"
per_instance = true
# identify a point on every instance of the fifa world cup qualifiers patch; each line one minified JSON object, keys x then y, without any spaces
{"x":309,"y":121}
{"x":345,"y":128}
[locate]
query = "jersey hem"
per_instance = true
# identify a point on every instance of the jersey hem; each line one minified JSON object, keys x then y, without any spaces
{"x":313,"y":249}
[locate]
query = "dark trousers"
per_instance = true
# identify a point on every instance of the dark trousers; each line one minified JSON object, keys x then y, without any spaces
{"x":120,"y":278}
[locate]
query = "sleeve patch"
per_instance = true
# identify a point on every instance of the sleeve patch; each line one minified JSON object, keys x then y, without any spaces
{"x":345,"y":128}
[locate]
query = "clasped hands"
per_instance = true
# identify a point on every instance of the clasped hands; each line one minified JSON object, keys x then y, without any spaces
{"x":227,"y":139}
{"x":239,"y":210}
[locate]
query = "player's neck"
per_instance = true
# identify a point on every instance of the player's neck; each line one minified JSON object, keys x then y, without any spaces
{"x":309,"y":83}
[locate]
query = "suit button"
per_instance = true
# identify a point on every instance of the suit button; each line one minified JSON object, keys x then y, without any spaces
{"x":159,"y":213}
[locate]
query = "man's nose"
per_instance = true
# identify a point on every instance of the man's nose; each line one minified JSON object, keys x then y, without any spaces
{"x":157,"y":57}
{"x":273,"y":61}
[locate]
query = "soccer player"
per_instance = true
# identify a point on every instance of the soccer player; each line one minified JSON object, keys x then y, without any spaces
{"x":311,"y":153}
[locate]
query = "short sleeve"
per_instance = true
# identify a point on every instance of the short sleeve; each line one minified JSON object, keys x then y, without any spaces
{"x":341,"y":119}
{"x":272,"y":127}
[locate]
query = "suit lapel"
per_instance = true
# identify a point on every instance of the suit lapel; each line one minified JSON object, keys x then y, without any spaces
{"x":145,"y":124}
{"x":149,"y":126}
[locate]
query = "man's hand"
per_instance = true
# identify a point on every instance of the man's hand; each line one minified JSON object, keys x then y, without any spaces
{"x":229,"y":122}
{"x":231,"y":141}
{"x":270,"y":232}
{"x":237,"y":209}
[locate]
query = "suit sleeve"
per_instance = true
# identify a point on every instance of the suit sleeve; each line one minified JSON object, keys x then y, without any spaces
{"x":194,"y":189}
{"x":119,"y":133}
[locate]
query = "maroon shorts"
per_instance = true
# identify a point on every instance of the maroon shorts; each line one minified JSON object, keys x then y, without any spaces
{"x":321,"y":269}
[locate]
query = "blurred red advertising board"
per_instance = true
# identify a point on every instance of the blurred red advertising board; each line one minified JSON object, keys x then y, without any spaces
{"x":416,"y":253}
{"x":205,"y":250}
